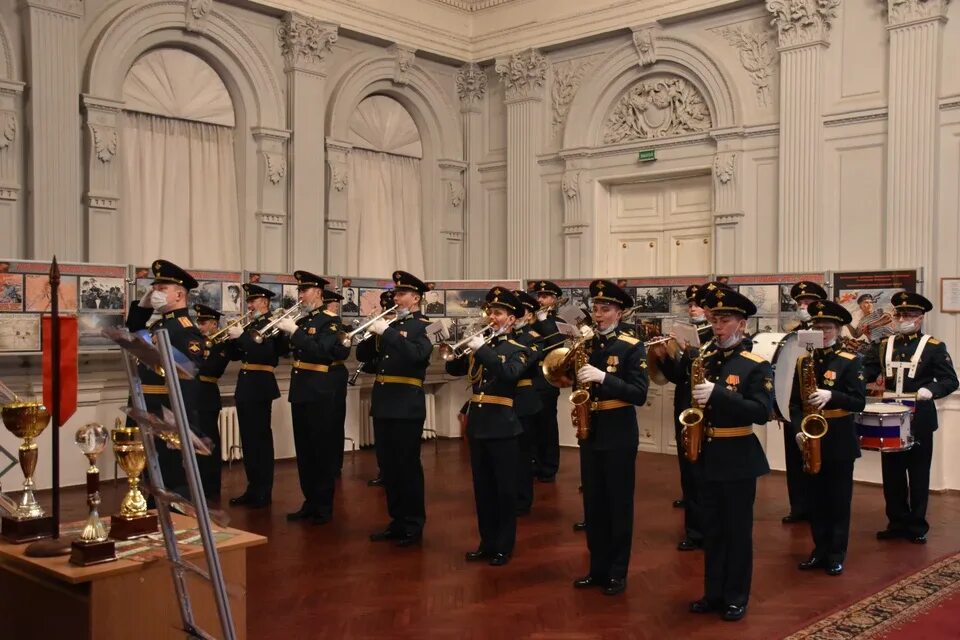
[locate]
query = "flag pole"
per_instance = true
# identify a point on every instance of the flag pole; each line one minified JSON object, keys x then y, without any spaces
{"x":55,"y":371}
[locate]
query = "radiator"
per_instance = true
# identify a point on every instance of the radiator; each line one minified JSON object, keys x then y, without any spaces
{"x":230,"y":448}
{"x":365,"y":429}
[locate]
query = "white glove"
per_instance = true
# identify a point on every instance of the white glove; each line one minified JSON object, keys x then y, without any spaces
{"x":234,"y":332}
{"x":924,"y":394}
{"x":541,"y":315}
{"x":589,"y":374}
{"x":287,"y":325}
{"x":820,"y":398}
{"x":145,"y":300}
{"x":475,"y":343}
{"x":586,"y":331}
{"x":379,"y":326}
{"x":702,"y":392}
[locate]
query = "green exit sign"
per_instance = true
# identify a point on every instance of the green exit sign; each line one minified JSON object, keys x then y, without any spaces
{"x":647,"y":155}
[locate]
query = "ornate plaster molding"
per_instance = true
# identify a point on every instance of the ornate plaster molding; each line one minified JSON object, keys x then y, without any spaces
{"x":336,"y":225}
{"x":102,"y":201}
{"x":8,"y":129}
{"x":276,"y":166}
{"x":305,"y":41}
{"x":403,"y":58}
{"x":724,"y":172}
{"x":456,"y":192}
{"x":471,"y":84}
{"x":339,"y":176}
{"x":644,"y":39}
{"x":523,"y":74}
{"x":802,"y":22}
{"x":570,"y":184}
{"x":567,"y":77}
{"x":105,"y":141}
{"x":195,"y":15}
{"x":660,"y":107}
{"x":903,"y":11}
{"x":758,"y":56}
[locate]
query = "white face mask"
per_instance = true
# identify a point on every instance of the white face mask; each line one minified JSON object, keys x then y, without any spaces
{"x":732,"y":341}
{"x":698,"y":319}
{"x":830,"y":343}
{"x":158,"y":300}
{"x":907,"y":327}
{"x":803,"y":315}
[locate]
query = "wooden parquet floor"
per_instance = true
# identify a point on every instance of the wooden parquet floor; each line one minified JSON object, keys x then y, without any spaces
{"x":330,"y":582}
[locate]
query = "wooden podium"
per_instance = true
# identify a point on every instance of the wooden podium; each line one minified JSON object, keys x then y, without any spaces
{"x":50,"y":598}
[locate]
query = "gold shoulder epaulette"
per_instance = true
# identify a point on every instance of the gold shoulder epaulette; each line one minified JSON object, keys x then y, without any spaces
{"x":933,"y":341}
{"x":750,"y":355}
{"x":515,"y":343}
{"x":186,"y":322}
{"x":846,"y":354}
{"x":330,"y":313}
{"x":627,"y":339}
{"x":533,"y":334}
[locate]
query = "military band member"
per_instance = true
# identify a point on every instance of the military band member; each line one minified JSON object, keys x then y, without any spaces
{"x":216,"y":357}
{"x":616,"y":377}
{"x":316,"y":382}
{"x":911,"y":363}
{"x":737,"y":393}
{"x":168,"y":298}
{"x":254,"y":395}
{"x":386,"y":302}
{"x":331,"y":306}
{"x":527,"y":402}
{"x":495,"y":366}
{"x":401,"y":350}
{"x":546,"y":434}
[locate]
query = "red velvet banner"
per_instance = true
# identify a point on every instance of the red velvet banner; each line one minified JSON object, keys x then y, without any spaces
{"x":69,"y":342}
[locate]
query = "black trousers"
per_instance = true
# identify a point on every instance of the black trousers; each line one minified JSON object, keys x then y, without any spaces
{"x":831,"y":492}
{"x":256,"y":438}
{"x":398,"y":442}
{"x":906,"y":485}
{"x":340,"y":417}
{"x":525,"y":465}
{"x":689,"y":482}
{"x":728,"y":540}
{"x":494,"y":466}
{"x":209,"y":466}
{"x":797,"y":481}
{"x":315,"y":440}
{"x":608,"y":484}
{"x":546,"y":437}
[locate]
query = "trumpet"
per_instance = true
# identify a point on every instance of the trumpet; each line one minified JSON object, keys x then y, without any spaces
{"x":223,"y":334}
{"x":270,"y":329}
{"x":346,"y":339}
{"x":556,"y":304}
{"x":450,"y":352}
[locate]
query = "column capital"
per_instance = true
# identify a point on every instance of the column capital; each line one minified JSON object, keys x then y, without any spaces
{"x":471,"y":86}
{"x":904,"y":12}
{"x":802,"y":22}
{"x":305,"y":42}
{"x":523,"y":75}
{"x":69,"y":8}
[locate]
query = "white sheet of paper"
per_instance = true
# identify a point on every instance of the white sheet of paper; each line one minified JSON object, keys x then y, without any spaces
{"x":686,"y":333}
{"x":810,"y":339}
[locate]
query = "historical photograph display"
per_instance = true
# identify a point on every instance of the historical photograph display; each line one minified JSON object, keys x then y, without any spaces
{"x":11,"y":292}
{"x":102,"y":294}
{"x":20,"y":332}
{"x":37,"y":293}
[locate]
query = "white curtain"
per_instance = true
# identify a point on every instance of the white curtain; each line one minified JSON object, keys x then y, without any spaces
{"x":179,"y":192}
{"x":384,"y":201}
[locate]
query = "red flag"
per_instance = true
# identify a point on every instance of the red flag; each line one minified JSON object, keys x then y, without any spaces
{"x":69,"y":341}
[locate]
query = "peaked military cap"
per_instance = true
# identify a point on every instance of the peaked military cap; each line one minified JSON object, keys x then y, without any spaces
{"x":829,"y":310}
{"x":403,"y":281}
{"x":906,"y":301}
{"x":206,"y":313}
{"x":306,"y":280}
{"x":505,"y":299}
{"x":526,"y":300}
{"x":330,"y":295}
{"x":704,"y":289}
{"x":606,"y":291}
{"x":545,"y":286}
{"x":725,"y":300}
{"x":807,"y":289}
{"x":165,"y":272}
{"x":692,"y":292}
{"x":256,"y":291}
{"x":386,"y":299}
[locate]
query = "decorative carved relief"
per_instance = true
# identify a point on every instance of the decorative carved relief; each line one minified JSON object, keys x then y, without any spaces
{"x":566,"y":80}
{"x":724,"y":171}
{"x":8,"y":129}
{"x":276,"y":167}
{"x":339,"y":177}
{"x":402,"y":61}
{"x":906,"y":10}
{"x":196,"y":14}
{"x":336,"y":225}
{"x":471,"y":83}
{"x":456,"y":192}
{"x":643,"y":40}
{"x":757,"y":56}
{"x":523,"y":74}
{"x":571,"y":184}
{"x":802,"y":21}
{"x":102,"y":202}
{"x":657,"y":108}
{"x":271,"y":218}
{"x":305,"y":40}
{"x":105,"y":141}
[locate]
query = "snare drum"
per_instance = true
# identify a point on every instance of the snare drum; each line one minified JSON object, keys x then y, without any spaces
{"x":884,"y":427}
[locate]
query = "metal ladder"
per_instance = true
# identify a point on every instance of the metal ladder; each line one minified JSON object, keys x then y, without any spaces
{"x":162,"y":355}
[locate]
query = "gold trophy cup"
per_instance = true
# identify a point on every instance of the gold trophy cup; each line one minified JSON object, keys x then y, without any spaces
{"x":93,"y":547}
{"x":133,"y":519}
{"x":26,"y":420}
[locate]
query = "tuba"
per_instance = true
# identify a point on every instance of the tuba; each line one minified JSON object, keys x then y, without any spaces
{"x":692,"y":418}
{"x":560,"y":368}
{"x":813,"y":426}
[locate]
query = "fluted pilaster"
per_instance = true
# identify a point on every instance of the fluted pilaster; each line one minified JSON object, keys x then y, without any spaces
{"x":472,"y":91}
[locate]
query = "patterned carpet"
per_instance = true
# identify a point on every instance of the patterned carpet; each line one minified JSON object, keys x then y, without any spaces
{"x":896,"y":605}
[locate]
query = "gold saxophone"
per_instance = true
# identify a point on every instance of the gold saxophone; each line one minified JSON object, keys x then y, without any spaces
{"x":692,"y":419}
{"x":580,"y":397}
{"x":813,"y":426}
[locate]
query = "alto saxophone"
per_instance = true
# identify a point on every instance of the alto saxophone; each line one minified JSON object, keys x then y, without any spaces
{"x":691,"y":434}
{"x":813,"y":426}
{"x":580,"y":398}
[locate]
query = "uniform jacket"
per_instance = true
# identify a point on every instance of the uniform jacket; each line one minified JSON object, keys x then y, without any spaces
{"x":527,"y":402}
{"x":258,"y":386}
{"x":678,"y":371}
{"x":549,"y":339}
{"x":316,"y":342}
{"x":623,"y":358}
{"x":215,"y":360}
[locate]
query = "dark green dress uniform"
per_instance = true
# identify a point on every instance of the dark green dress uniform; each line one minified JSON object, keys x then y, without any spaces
{"x":340,"y":401}
{"x":216,"y":357}
{"x":906,"y":505}
{"x":608,"y":455}
{"x":831,"y":490}
{"x":493,"y":429}
{"x":398,"y":409}
{"x":370,"y":366}
{"x":731,"y":460}
{"x":254,"y":395}
{"x":186,"y":338}
{"x":527,"y":405}
{"x":546,"y":432}
{"x":316,"y":382}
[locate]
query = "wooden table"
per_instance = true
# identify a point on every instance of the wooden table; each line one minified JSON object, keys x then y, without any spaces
{"x":50,"y":598}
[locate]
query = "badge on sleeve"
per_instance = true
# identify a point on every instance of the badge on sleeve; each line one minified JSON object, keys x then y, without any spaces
{"x":194,"y":346}
{"x":768,"y":384}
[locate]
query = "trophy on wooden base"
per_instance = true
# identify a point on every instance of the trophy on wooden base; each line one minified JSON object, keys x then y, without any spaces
{"x":94,"y":546}
{"x":133,"y":519}
{"x":26,"y":420}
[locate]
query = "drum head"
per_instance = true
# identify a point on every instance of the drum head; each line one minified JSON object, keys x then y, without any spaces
{"x":782,"y":351}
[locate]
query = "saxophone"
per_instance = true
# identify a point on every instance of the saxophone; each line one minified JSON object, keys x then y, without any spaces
{"x":813,"y":426}
{"x":692,"y":419}
{"x":580,"y":398}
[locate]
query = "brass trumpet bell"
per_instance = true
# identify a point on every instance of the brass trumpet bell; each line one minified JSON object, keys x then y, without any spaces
{"x":814,"y":426}
{"x":658,"y":350}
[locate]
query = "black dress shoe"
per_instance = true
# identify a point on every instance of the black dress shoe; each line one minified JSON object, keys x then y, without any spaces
{"x":319,"y":518}
{"x":703,"y":606}
{"x":790,"y":518}
{"x":813,"y":562}
{"x":679,"y":504}
{"x":302,"y":514}
{"x":523,"y":511}
{"x":476,"y":556}
{"x":834,"y":568}
{"x":588,"y":581}
{"x":689,"y":545}
{"x":615,"y":586}
{"x":375,"y":482}
{"x":258,"y":503}
{"x":547,"y":479}
{"x":890,"y":534}
{"x":410,"y":539}
{"x":499,"y":559}
{"x":241,"y":499}
{"x":734,"y":612}
{"x":386,"y":534}
{"x":921,"y":539}
{"x":579,"y":526}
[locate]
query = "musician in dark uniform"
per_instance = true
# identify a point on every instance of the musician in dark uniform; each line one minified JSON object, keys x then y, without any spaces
{"x":616,"y":378}
{"x":737,"y":393}
{"x":840,"y":390}
{"x":254,"y":395}
{"x":527,"y":401}
{"x":216,"y":357}
{"x":401,"y":350}
{"x":168,"y":298}
{"x":546,"y":434}
{"x":677,"y":371}
{"x":317,"y":380}
{"x":804,"y":293}
{"x":934,"y":377}
{"x":386,"y":303}
{"x":495,"y":365}
{"x":331,"y":305}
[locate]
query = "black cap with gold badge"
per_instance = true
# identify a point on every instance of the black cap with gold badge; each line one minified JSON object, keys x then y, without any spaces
{"x":545,"y":286}
{"x":906,"y":301}
{"x":705,"y":288}
{"x":829,"y":310}
{"x":606,"y":291}
{"x":807,"y":289}
{"x":329,"y":295}
{"x":528,"y":301}
{"x":505,"y":299}
{"x":256,"y":291}
{"x":206,"y":313}
{"x":165,"y":272}
{"x":692,"y":292}
{"x":724,"y":300}
{"x":307,"y":280}
{"x":403,"y":281}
